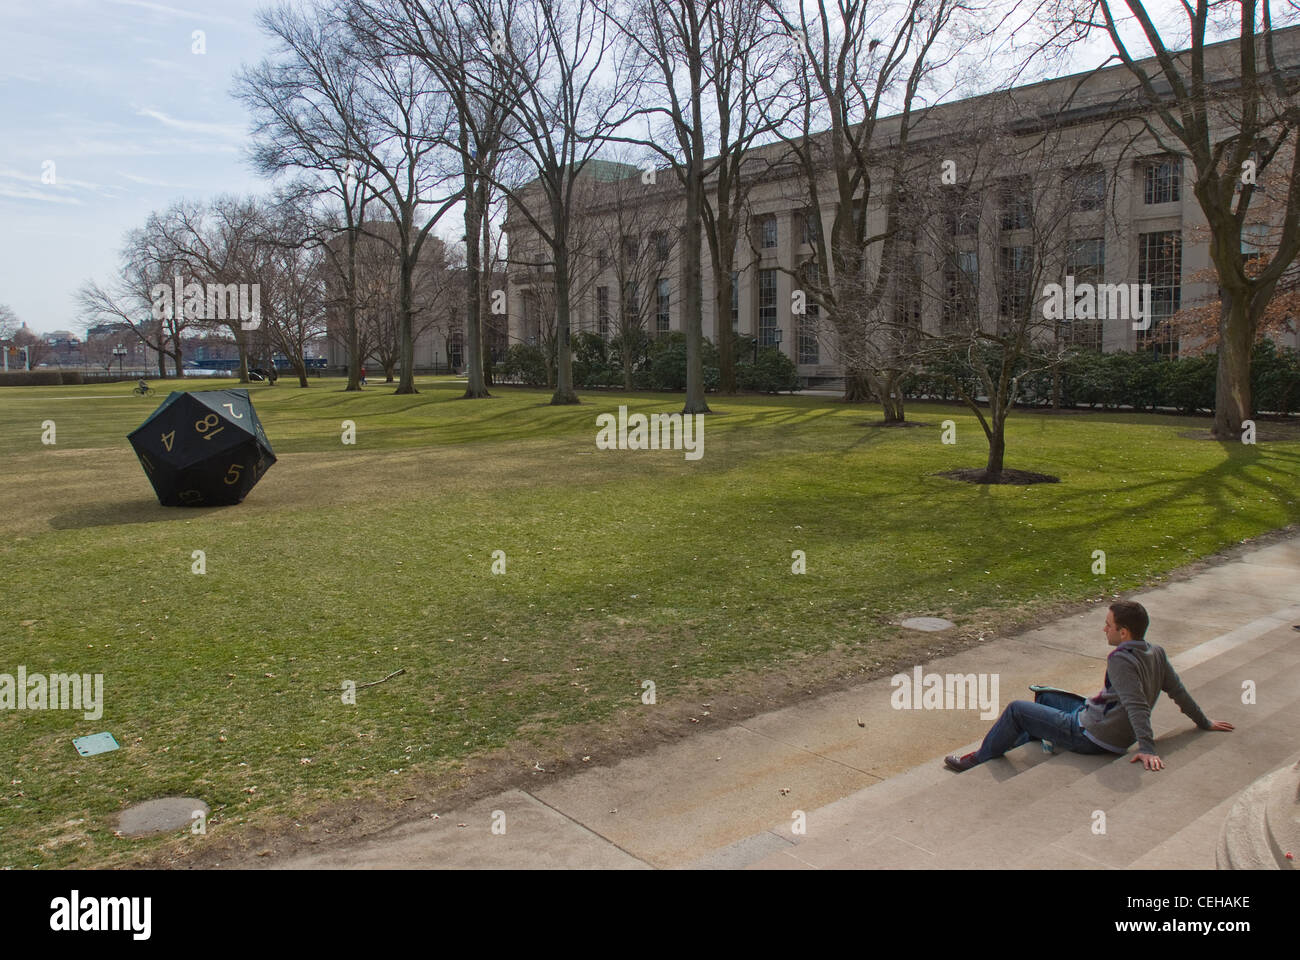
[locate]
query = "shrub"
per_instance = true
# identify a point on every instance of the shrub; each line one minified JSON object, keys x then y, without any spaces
{"x":526,"y":364}
{"x":1275,"y":378}
{"x":667,"y":365}
{"x":31,"y":378}
{"x":774,"y":372}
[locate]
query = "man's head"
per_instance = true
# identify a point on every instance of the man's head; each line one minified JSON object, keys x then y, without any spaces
{"x":1126,"y":620}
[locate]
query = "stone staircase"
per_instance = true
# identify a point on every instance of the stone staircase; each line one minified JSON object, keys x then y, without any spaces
{"x":1033,"y":810}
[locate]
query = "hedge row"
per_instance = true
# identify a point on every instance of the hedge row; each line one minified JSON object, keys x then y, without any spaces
{"x":659,"y":364}
{"x":1138,"y":381}
{"x":40,"y":378}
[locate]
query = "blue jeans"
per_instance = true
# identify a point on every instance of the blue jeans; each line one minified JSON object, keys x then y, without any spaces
{"x":1055,"y":717}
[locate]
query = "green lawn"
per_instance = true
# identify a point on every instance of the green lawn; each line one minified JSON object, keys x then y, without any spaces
{"x":350,"y":562}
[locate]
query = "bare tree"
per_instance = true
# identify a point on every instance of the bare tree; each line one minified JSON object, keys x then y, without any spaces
{"x":412,"y":122}
{"x":671,"y":39}
{"x":306,"y":107}
{"x":129,"y":298}
{"x":845,"y":76}
{"x":456,"y":41}
{"x":630,"y":233}
{"x":996,"y":242}
{"x":9,"y":323}
{"x":1233,"y":111}
{"x":568,"y":93}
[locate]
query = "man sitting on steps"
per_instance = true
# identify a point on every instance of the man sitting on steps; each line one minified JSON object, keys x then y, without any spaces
{"x":1136,"y":673}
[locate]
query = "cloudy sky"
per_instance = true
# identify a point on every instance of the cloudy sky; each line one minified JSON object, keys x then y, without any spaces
{"x":111,"y":99}
{"x":108,"y":111}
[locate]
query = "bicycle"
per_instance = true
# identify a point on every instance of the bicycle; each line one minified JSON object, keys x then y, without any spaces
{"x":140,"y":391}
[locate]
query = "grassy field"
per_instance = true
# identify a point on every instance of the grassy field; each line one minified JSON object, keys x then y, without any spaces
{"x":351,"y":562}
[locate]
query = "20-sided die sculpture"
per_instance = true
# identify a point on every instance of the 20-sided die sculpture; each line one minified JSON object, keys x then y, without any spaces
{"x":203,"y":449}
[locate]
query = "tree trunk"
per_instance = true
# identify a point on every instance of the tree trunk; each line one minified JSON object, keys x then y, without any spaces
{"x":389,"y":367}
{"x":722,"y":323}
{"x":474,"y":389}
{"x":891,"y":400}
{"x":407,"y":345}
{"x":243,"y":360}
{"x":564,"y":392}
{"x":350,"y":316}
{"x":692,"y":296}
{"x":997,"y":451}
{"x":485,"y":307}
{"x":856,"y":388}
{"x":1232,"y":399}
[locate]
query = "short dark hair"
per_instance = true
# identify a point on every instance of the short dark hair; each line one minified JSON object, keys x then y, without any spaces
{"x":1131,"y":615}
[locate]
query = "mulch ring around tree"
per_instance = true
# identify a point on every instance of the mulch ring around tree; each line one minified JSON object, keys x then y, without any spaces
{"x":978,"y":475}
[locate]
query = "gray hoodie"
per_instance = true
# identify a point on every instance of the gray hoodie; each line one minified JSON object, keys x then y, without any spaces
{"x":1136,"y":673}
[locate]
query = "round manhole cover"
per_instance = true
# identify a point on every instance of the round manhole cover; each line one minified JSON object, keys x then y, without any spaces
{"x":928,"y":624}
{"x":160,"y":816}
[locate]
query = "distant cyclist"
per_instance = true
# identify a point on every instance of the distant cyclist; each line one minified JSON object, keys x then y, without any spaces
{"x":142,"y":387}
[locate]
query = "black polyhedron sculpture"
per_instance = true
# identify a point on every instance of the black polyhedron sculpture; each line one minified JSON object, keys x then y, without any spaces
{"x":203,"y":449}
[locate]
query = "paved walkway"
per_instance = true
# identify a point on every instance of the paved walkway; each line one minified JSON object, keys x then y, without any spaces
{"x":877,"y":795}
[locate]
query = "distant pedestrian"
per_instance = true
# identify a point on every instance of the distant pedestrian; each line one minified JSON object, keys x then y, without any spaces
{"x":363,"y":376}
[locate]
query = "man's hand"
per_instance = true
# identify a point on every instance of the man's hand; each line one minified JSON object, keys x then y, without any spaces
{"x":1149,"y":760}
{"x":1220,"y":725}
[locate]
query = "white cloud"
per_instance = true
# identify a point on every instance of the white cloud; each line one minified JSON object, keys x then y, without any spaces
{"x":199,"y":18}
{"x":47,"y":196}
{"x":230,"y":130}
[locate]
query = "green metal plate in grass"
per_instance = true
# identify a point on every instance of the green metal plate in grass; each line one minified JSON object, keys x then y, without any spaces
{"x":95,"y":743}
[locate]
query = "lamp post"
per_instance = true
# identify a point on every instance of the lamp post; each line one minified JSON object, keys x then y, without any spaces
{"x":119,"y":351}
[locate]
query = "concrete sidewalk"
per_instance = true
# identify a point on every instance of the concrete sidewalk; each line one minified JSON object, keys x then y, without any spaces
{"x":877,"y":794}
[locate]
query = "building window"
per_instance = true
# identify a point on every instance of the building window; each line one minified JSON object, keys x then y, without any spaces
{"x":963,"y":212}
{"x":631,"y":247}
{"x":1085,"y":260}
{"x":456,"y":350}
{"x":812,"y":227}
{"x":767,"y":231}
{"x":663,"y":321}
{"x":660,"y":240}
{"x":631,"y":305}
{"x":1014,"y":202}
{"x":766,"y":307}
{"x":603,"y":259}
{"x":908,"y":297}
{"x":602,"y":310}
{"x":1162,"y":180}
{"x":735,"y":301}
{"x":961,"y":278}
{"x":1160,"y":263}
{"x":1015,"y":274}
{"x":1089,"y":188}
{"x":808,"y":349}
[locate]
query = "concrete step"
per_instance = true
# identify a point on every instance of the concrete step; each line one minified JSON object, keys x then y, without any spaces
{"x":1199,"y":764}
{"x":929,"y":817}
